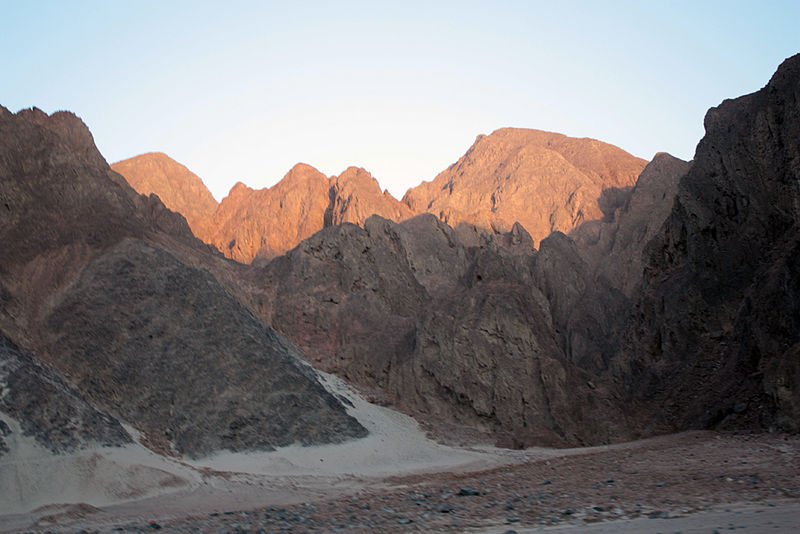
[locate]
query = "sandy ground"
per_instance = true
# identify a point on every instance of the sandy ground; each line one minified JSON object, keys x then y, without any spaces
{"x":398,"y":480}
{"x":32,"y":477}
{"x":103,"y":486}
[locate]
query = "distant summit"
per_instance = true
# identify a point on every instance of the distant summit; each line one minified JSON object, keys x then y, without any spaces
{"x":179,"y":189}
{"x":545,"y":181}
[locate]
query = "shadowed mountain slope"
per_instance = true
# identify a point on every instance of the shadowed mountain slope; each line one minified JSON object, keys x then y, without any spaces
{"x":715,"y":335}
{"x":445,"y":324}
{"x":652,"y":305}
{"x":111,"y":291}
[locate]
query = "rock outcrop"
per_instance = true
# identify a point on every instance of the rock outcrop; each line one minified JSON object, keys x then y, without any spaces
{"x":179,"y":189}
{"x":545,"y":181}
{"x":613,"y":247}
{"x":111,"y":291}
{"x":714,"y":337}
{"x":590,"y":277}
{"x":445,"y":324}
{"x":356,"y":196}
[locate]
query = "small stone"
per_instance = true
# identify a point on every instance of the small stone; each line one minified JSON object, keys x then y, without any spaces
{"x":404,"y":521}
{"x":658,"y":515}
{"x":546,"y":483}
{"x":468,"y":492}
{"x":445,"y":509}
{"x":512,"y":519}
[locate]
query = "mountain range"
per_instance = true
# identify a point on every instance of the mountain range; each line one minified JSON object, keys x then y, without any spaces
{"x":547,"y":182}
{"x":542,"y":290}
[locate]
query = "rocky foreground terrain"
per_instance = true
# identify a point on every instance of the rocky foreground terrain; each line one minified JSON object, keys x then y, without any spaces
{"x":659,"y":485}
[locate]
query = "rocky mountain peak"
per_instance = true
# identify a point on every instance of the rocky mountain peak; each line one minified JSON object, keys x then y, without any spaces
{"x":540,"y":180}
{"x":179,"y":189}
{"x":545,"y":181}
{"x":302,"y":175}
{"x":239,"y":188}
{"x":357,"y":177}
{"x":356,"y":195}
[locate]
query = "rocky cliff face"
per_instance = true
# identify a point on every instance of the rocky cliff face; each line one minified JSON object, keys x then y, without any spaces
{"x":445,"y":324}
{"x":545,"y":181}
{"x":714,"y":336}
{"x":179,"y":189}
{"x":112,"y":292}
{"x":613,"y":247}
{"x":590,"y":276}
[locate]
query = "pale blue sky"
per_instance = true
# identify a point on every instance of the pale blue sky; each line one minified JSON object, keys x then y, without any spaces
{"x":244,"y":90}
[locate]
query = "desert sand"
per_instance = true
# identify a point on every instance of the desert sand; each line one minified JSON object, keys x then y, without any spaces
{"x":133,"y":482}
{"x":397,"y":479}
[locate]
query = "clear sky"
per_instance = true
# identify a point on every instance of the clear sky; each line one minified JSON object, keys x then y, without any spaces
{"x":241,"y":91}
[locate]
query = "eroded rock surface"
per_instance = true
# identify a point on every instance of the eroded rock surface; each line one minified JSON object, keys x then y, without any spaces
{"x":445,"y":324}
{"x":613,"y":247}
